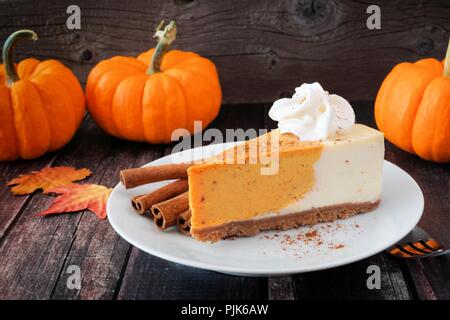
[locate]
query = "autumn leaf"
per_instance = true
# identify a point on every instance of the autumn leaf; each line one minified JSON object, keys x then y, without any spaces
{"x":75,"y":197}
{"x":47,"y":178}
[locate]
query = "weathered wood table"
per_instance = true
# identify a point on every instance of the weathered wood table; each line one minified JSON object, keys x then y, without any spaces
{"x":35,"y":252}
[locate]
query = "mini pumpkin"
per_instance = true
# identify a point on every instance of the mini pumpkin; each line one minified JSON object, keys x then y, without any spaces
{"x":41,"y":104}
{"x":412,"y":108}
{"x":148,"y":97}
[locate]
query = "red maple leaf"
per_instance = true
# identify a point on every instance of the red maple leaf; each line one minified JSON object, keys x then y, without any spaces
{"x":76,"y":197}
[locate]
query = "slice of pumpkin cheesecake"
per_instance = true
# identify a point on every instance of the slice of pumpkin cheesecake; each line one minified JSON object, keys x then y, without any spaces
{"x":328,"y":174}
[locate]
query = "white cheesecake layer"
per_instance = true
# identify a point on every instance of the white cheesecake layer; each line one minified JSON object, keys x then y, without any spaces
{"x":349,"y":171}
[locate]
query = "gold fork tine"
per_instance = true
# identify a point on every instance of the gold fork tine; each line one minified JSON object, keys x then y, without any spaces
{"x":431,"y":244}
{"x":423,"y":246}
{"x":419,"y":249}
{"x":417,"y":244}
{"x":400,"y":251}
{"x":416,"y":249}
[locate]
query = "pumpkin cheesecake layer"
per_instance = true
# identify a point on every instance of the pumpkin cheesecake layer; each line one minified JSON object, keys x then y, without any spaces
{"x":316,"y":181}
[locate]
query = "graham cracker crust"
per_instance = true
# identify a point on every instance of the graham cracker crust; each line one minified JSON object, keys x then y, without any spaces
{"x":310,"y":217}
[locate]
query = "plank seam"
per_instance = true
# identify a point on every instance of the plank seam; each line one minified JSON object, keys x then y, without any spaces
{"x":122,"y":272}
{"x":407,"y":285}
{"x":58,"y":278}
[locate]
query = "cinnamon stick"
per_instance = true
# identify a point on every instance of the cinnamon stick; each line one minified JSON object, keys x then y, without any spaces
{"x":134,"y":177}
{"x":184,"y":222}
{"x":165,"y":214}
{"x":144,"y":202}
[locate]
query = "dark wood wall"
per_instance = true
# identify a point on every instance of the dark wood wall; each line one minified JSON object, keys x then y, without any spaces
{"x":262,"y":48}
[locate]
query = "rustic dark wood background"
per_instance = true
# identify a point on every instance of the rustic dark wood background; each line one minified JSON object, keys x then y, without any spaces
{"x":262,"y":48}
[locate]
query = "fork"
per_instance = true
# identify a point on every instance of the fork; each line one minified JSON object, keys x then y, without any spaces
{"x":417,"y":244}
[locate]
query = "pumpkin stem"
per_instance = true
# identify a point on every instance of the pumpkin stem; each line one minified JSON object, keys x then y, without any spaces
{"x":165,"y":38}
{"x":447,"y":62}
{"x":7,"y":54}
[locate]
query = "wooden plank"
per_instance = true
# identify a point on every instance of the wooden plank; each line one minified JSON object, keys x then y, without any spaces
{"x":281,"y":288}
{"x":437,"y":272}
{"x":423,"y":288}
{"x":262,"y":49}
{"x":97,"y":249}
{"x":431,"y":277}
{"x":34,"y":251}
{"x":148,"y":277}
{"x":349,"y":282}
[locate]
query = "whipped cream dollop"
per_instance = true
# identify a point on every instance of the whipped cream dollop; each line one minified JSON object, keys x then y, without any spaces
{"x":312,"y":114}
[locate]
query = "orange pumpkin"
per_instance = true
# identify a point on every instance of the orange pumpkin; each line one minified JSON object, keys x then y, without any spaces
{"x":130,"y":100}
{"x":41,"y":104}
{"x":412,"y":108}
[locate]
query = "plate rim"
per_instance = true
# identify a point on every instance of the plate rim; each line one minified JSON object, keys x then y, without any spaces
{"x":259,"y":272}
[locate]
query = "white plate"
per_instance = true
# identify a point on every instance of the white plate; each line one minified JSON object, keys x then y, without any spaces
{"x":275,"y":253}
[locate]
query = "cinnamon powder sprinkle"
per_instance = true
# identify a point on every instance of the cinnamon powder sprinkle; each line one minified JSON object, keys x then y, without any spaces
{"x":301,"y":243}
{"x":311,"y":234}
